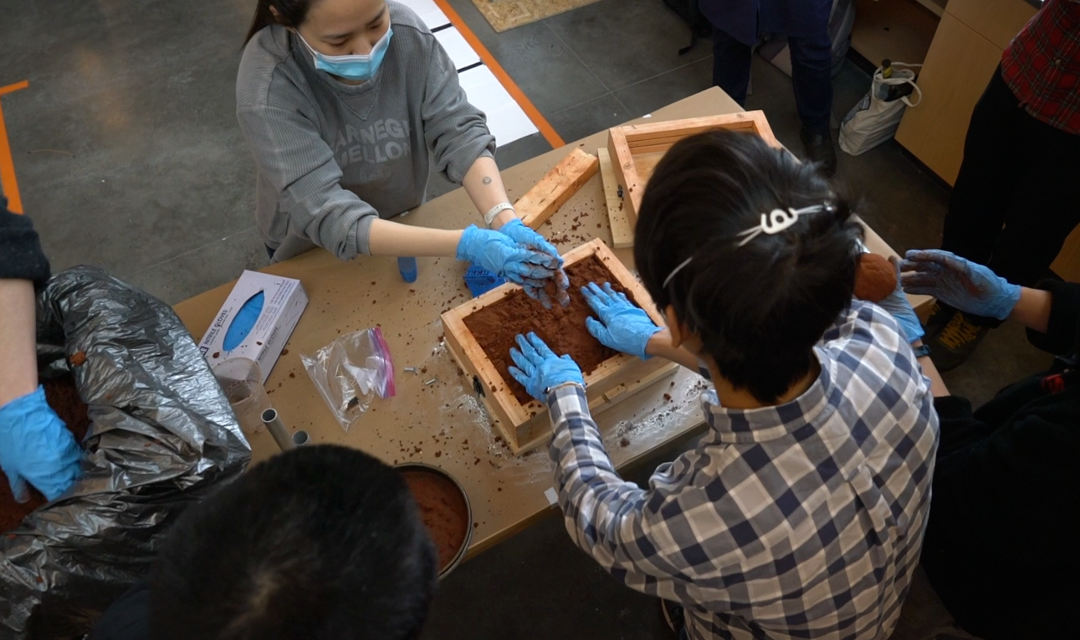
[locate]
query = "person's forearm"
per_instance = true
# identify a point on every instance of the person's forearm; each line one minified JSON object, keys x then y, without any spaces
{"x":388,"y":238}
{"x":659,"y":345}
{"x":937,"y":385}
{"x":485,"y":187}
{"x":18,"y":352}
{"x":1033,"y":309}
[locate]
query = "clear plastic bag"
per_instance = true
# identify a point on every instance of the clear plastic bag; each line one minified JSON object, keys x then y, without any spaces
{"x":350,"y":371}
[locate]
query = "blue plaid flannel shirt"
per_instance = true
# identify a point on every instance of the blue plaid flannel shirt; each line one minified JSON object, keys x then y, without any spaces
{"x":803,"y":520}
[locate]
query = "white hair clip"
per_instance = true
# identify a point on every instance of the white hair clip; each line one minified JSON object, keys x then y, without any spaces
{"x":778,"y":219}
{"x":771,"y":223}
{"x":675,"y":271}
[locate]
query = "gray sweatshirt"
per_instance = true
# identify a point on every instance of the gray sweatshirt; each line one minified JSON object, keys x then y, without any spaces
{"x":332,"y":156}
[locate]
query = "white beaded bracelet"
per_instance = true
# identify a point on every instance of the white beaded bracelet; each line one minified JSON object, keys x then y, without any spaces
{"x":496,"y":210}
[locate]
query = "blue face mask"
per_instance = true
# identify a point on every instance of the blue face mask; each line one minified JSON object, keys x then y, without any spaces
{"x":359,"y":67}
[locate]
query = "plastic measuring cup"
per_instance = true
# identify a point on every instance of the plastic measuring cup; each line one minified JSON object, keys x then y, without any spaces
{"x":241,"y":380}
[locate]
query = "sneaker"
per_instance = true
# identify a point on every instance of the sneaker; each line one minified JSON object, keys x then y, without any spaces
{"x":819,"y":148}
{"x":675,"y":616}
{"x":955,"y":342}
{"x":940,"y":315}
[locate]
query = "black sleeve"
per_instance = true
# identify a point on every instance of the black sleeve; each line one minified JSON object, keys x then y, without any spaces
{"x":958,"y":424}
{"x":128,"y":618}
{"x":1062,"y":331}
{"x":20,"y":251}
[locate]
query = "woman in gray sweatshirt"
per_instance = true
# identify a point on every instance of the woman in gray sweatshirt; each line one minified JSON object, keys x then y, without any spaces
{"x":346,"y":104}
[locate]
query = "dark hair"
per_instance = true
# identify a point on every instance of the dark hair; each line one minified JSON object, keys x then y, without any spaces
{"x":291,"y":13}
{"x":759,"y":308}
{"x":322,"y":542}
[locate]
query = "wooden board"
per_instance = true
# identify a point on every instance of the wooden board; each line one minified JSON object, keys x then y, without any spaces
{"x":957,"y":70}
{"x":900,"y":30}
{"x":1067,"y":263}
{"x":996,"y":20}
{"x":622,"y":232}
{"x":636,"y":149}
{"x":958,"y":67}
{"x":525,"y":426}
{"x":556,"y":187}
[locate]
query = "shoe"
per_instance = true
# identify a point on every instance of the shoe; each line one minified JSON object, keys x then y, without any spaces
{"x":675,"y":616}
{"x":819,"y":149}
{"x":956,"y":342}
{"x":940,"y":315}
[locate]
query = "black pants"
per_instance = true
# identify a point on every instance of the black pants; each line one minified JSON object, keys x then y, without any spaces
{"x":1016,"y":198}
{"x":811,"y":74}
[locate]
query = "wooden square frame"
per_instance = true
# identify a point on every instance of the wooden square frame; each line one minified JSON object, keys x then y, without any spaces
{"x":635,"y":149}
{"x":526,"y":426}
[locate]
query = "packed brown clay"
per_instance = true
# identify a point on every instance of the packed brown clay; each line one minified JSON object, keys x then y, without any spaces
{"x":875,"y":279}
{"x":561,"y":328}
{"x":443,"y":509}
{"x":63,"y":397}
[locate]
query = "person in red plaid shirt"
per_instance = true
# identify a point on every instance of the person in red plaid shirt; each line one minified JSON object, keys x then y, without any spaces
{"x":1020,"y":168}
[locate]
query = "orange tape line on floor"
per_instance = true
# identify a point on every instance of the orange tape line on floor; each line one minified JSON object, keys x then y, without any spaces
{"x":7,"y":164}
{"x":508,"y":83}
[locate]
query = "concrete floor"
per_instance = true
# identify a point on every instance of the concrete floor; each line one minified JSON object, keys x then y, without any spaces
{"x":128,"y":156}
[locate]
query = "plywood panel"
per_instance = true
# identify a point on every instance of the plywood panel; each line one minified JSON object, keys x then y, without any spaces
{"x":1067,"y":264}
{"x":996,"y":20}
{"x":958,"y":67}
{"x":900,"y":30}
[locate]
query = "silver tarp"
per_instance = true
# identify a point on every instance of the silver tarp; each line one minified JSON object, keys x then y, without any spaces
{"x":162,"y":436}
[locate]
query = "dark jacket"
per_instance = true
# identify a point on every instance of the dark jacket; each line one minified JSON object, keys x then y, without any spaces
{"x":746,"y":20}
{"x":1001,"y":547}
{"x":20,"y":251}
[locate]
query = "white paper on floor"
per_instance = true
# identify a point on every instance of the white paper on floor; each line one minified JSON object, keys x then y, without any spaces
{"x":428,"y":11}
{"x":505,"y":118}
{"x":459,"y":51}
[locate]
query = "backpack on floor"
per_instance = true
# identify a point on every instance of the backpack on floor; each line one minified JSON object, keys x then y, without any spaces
{"x":699,"y":24}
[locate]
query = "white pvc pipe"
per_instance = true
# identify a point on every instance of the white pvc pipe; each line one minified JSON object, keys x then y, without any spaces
{"x":277,"y":429}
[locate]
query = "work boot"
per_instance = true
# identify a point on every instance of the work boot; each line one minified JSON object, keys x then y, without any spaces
{"x":675,"y":616}
{"x":940,"y":315}
{"x":956,"y":341}
{"x":819,"y":149}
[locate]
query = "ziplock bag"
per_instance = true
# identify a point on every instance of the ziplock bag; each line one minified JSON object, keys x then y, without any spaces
{"x":349,"y":371}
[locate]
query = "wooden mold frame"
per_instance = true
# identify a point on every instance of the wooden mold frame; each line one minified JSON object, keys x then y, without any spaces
{"x":634,"y":151}
{"x":526,"y":426}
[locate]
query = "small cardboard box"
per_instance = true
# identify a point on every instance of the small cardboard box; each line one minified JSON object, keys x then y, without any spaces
{"x":284,"y":299}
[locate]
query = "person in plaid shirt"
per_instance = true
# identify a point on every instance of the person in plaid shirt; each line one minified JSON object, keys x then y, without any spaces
{"x":1019,"y":171}
{"x":801,"y":512}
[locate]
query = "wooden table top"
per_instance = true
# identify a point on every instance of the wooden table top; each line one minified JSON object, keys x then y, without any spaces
{"x":444,"y":424}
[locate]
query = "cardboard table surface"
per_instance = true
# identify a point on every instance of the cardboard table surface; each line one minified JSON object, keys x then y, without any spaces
{"x":442,"y":422}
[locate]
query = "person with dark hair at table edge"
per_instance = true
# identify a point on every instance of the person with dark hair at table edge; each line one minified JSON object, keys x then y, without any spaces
{"x":35,"y":446}
{"x":1000,"y":548}
{"x":321,"y":543}
{"x":800,"y":513}
{"x":739,"y":24}
{"x":1014,"y":201}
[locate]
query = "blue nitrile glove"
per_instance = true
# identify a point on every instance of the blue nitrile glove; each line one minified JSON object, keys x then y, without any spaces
{"x":538,"y":368}
{"x":517,"y":231}
{"x":501,"y":255}
{"x":622,"y":326}
{"x":898,"y":305}
{"x":36,"y":447}
{"x":959,"y":283}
